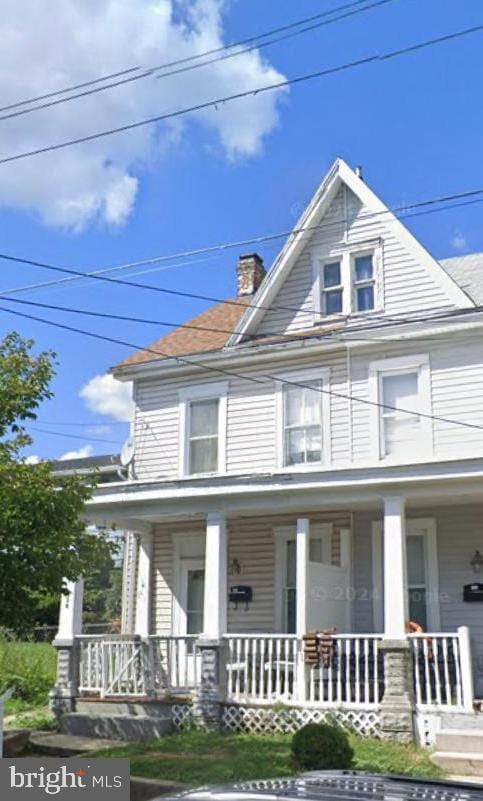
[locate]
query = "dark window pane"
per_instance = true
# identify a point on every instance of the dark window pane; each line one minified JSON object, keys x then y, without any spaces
{"x":365,"y":298}
{"x":332,"y":274}
{"x":333,"y":302}
{"x":291,"y":611}
{"x":417,"y":607}
{"x":363,"y":267}
{"x":204,"y":455}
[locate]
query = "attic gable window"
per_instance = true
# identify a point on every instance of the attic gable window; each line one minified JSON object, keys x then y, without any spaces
{"x":363,"y":277}
{"x":348,"y":282}
{"x":333,"y":290}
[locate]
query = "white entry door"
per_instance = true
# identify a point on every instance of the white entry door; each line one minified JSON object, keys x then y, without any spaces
{"x":188,"y":604}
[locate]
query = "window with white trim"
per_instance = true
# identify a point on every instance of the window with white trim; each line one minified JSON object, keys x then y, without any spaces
{"x":399,"y":396}
{"x":203,"y":435}
{"x":400,"y":391}
{"x":349,"y":282}
{"x":302,"y":424}
{"x":202,"y":444}
{"x":332,"y":288}
{"x":364,"y":282}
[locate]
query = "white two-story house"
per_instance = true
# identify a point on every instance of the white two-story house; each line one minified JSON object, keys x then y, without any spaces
{"x":308,"y":458}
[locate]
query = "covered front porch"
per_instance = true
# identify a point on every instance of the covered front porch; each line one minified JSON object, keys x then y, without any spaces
{"x":307,"y":608}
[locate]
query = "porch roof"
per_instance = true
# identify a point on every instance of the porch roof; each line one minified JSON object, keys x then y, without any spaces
{"x":444,"y":482}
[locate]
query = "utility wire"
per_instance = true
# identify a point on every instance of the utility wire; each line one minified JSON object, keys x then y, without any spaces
{"x":152,"y":70}
{"x":263,"y":379}
{"x":167,"y":65}
{"x":101,"y":276}
{"x":375,"y":58}
{"x":72,"y":436}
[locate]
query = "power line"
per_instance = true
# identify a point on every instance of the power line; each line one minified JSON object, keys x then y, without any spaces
{"x":153,"y":70}
{"x":422,"y":207}
{"x":72,"y":436}
{"x":261,"y":380}
{"x":376,"y":58}
{"x":168,"y":64}
{"x":84,"y":425}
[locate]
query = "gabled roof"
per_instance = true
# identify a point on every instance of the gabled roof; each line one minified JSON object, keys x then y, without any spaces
{"x":467,"y":271}
{"x":340,"y":173}
{"x":184,"y":341}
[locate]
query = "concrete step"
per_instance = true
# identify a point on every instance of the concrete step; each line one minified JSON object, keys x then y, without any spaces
{"x":66,"y":745}
{"x":98,"y":708}
{"x":457,"y":763}
{"x":460,"y":740}
{"x":462,"y":720}
{"x":117,"y":727}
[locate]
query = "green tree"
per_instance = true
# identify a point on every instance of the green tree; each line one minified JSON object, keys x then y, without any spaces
{"x":42,"y":537}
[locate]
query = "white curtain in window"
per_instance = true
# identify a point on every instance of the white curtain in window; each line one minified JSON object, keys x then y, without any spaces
{"x":400,"y":430}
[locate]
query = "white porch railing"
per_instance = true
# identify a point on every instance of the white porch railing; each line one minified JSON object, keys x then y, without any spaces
{"x":266,"y":669}
{"x":442,"y":670}
{"x":111,"y":666}
{"x":129,"y":666}
{"x":176,"y":663}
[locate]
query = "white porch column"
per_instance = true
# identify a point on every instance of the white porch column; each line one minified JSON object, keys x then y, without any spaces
{"x":302,"y":571}
{"x":395,"y":579}
{"x":216,"y":555}
{"x":63,"y":694}
{"x":142,"y":625}
{"x":70,"y":614}
{"x":302,"y":561}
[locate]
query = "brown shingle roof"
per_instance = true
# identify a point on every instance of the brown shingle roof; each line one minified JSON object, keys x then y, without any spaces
{"x":183,"y":341}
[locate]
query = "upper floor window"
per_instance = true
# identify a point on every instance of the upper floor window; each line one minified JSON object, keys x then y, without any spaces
{"x":202,"y":442}
{"x":303,"y":412}
{"x":400,"y":390}
{"x":400,"y":430}
{"x":203,"y":436}
{"x":302,"y":425}
{"x":350,"y":282}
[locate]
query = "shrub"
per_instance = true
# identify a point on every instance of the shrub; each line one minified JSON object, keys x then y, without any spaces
{"x":29,"y":668}
{"x":320,"y":746}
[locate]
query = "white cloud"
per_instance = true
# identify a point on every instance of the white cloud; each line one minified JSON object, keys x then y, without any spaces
{"x":70,"y":41}
{"x":459,"y":241}
{"x":85,"y":450}
{"x":33,"y":459}
{"x":104,"y":395}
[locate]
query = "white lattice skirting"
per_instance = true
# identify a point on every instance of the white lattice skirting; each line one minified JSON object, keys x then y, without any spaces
{"x":182,"y":716}
{"x":263,"y":720}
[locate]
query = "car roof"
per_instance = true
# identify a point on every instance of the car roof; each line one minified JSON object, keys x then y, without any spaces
{"x":340,"y":786}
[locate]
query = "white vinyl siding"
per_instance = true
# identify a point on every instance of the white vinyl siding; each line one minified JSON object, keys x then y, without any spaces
{"x":456,"y":389}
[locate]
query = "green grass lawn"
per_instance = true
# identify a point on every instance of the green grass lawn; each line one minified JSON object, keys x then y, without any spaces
{"x":196,"y":758}
{"x":29,"y":668}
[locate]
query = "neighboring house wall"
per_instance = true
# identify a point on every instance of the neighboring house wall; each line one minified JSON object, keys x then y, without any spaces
{"x":456,"y":388}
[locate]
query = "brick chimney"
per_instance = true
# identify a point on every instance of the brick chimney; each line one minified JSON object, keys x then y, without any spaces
{"x":250,"y":274}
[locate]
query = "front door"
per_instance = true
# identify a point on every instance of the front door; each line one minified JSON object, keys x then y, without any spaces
{"x":421,"y":571}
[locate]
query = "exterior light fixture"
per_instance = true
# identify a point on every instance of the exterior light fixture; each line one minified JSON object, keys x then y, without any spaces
{"x":234,"y":568}
{"x":476,"y":562}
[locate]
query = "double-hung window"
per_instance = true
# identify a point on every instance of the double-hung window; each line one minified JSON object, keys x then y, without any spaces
{"x":349,"y":281}
{"x":364,"y":282}
{"x":203,"y":435}
{"x":332,"y":288}
{"x":302,"y":414}
{"x":401,"y":393}
{"x":202,"y":429}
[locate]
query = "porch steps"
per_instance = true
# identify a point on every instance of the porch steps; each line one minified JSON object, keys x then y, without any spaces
{"x":460,"y":751}
{"x":116,"y":727}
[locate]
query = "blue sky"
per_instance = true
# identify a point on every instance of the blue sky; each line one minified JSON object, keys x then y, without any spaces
{"x":414,"y":124}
